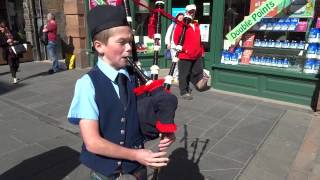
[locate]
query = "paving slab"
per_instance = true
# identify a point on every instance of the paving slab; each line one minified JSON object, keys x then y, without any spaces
{"x":221,"y":136}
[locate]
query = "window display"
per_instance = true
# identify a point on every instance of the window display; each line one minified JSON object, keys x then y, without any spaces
{"x":286,"y":38}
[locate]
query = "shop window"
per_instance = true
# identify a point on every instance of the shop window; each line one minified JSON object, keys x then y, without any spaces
{"x":204,"y":18}
{"x":142,"y":15}
{"x":286,"y":38}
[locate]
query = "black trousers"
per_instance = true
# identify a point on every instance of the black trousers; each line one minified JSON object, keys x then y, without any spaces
{"x":140,"y":174}
{"x":189,"y":71}
{"x":13,"y":62}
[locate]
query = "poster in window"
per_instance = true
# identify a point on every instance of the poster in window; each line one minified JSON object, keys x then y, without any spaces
{"x":204,"y":32}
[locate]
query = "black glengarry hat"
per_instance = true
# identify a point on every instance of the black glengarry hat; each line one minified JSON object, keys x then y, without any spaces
{"x":104,"y":17}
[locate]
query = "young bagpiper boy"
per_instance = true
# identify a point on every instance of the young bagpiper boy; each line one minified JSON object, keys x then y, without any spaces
{"x":104,"y":104}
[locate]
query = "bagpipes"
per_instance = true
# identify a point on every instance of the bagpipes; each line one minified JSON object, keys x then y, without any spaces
{"x":156,"y":105}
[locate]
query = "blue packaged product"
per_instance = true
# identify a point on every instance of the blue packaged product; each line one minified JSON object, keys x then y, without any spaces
{"x":258,"y":60}
{"x":286,"y":62}
{"x":318,"y":53}
{"x":264,"y":43}
{"x":234,"y":58}
{"x":277,"y":26}
{"x":273,"y":62}
{"x":252,"y":60}
{"x":292,"y":26}
{"x":301,"y":45}
{"x":279,"y":63}
{"x":227,"y":57}
{"x":257,"y":43}
{"x":269,"y":26}
{"x":312,"y":50}
{"x":287,"y":20}
{"x":316,"y":66}
{"x":309,"y":66}
{"x":313,"y":35}
{"x":277,"y":44}
{"x":285,"y":44}
{"x":293,"y":44}
{"x":271,"y":43}
{"x":266,"y":61}
{"x":285,"y":24}
{"x":238,"y":51}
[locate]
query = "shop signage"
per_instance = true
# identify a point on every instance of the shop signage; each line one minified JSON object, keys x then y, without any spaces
{"x":206,"y":9}
{"x":252,"y":19}
{"x":288,"y":8}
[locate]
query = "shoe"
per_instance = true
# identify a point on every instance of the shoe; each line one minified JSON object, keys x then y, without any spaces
{"x":15,"y":81}
{"x":50,"y":71}
{"x":187,"y":96}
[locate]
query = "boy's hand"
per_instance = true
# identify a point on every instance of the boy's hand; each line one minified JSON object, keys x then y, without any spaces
{"x":148,"y":158}
{"x":166,"y":141}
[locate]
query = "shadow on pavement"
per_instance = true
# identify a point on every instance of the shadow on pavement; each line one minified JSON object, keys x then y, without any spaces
{"x":6,"y":87}
{"x":4,"y":73}
{"x":180,"y":165}
{"x":45,"y":73}
{"x":52,"y":165}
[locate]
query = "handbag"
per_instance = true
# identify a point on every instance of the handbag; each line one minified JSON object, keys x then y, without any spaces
{"x":204,"y":83}
{"x":44,"y":38}
{"x":19,"y":48}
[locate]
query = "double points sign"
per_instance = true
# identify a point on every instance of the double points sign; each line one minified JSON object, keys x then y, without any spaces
{"x":252,"y":19}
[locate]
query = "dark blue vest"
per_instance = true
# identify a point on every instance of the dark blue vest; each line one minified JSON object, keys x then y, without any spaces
{"x":117,"y":124}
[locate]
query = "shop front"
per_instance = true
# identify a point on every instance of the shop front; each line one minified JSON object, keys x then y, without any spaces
{"x":141,"y":16}
{"x":268,"y":48}
{"x":273,"y":56}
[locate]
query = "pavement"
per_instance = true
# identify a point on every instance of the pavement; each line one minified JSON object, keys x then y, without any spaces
{"x":221,"y":135}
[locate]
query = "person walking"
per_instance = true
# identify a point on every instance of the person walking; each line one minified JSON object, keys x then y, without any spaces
{"x":170,"y":43}
{"x":6,"y":41}
{"x":190,"y":62}
{"x":51,"y":29}
{"x":104,"y":104}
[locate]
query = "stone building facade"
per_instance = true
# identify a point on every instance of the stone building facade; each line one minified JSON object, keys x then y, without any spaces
{"x":27,"y":16}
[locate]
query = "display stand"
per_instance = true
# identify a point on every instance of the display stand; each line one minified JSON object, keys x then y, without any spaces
{"x":272,"y":57}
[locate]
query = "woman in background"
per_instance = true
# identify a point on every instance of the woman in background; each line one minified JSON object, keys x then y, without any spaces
{"x":6,"y":41}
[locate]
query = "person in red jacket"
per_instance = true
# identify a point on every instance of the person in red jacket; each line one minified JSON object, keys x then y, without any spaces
{"x":190,"y":63}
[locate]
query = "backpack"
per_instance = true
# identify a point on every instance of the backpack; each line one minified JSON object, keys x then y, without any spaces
{"x":43,"y":36}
